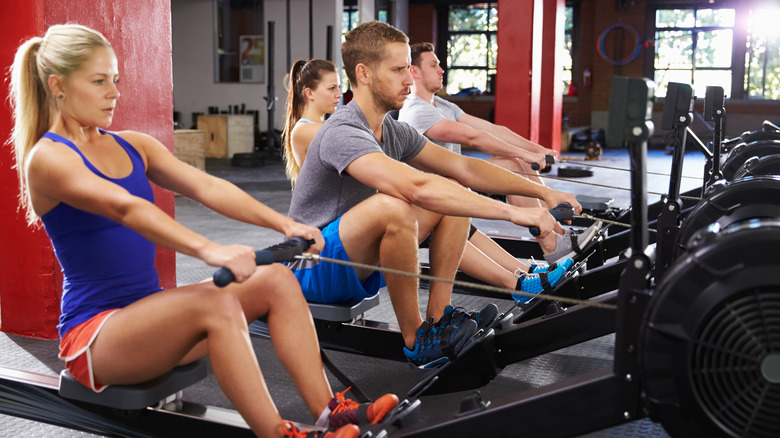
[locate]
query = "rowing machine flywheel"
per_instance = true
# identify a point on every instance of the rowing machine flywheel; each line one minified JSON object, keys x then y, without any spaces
{"x":710,"y":341}
{"x":757,"y":166}
{"x":728,"y":202}
{"x":743,"y":151}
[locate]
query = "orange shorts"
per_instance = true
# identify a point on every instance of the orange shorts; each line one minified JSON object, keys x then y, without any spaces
{"x":74,"y":349}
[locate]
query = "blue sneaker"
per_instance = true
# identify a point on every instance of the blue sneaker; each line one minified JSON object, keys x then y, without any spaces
{"x":435,"y":345}
{"x":541,"y":278}
{"x":536,"y":269}
{"x":456,"y":315}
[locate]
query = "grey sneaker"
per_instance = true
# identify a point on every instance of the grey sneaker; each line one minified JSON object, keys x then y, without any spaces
{"x":565,"y":247}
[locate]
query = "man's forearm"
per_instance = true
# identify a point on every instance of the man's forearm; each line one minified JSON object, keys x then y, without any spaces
{"x":486,"y":177}
{"x":516,"y":140}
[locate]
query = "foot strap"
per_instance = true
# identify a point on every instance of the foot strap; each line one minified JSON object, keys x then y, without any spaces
{"x":447,"y":350}
{"x":362,"y":414}
{"x":546,"y":286}
{"x":575,"y":245}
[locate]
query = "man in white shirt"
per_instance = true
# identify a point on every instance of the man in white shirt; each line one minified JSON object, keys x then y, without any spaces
{"x":445,"y":124}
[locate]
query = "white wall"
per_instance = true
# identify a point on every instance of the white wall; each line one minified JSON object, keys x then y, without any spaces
{"x":194,"y":88}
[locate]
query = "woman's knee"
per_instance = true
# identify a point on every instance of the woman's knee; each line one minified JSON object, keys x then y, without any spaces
{"x":222,"y":307}
{"x":271,"y":285}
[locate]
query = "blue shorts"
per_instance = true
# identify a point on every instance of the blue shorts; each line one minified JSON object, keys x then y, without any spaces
{"x":325,"y":282}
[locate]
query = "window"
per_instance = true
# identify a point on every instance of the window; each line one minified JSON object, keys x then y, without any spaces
{"x":567,"y":49}
{"x":472,"y":47}
{"x":350,"y":19}
{"x":703,"y":46}
{"x":239,"y":39}
{"x":693,"y":46}
{"x":762,"y":60}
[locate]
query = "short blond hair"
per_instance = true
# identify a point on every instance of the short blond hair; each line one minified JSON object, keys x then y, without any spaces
{"x":366,"y":43}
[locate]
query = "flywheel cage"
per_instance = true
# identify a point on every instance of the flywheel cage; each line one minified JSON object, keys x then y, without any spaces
{"x":725,"y":364}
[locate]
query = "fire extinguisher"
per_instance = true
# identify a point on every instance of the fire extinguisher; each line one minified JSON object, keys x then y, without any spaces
{"x":587,"y":78}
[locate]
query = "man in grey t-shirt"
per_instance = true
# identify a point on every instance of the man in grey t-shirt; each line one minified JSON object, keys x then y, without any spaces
{"x":361,"y":182}
{"x":445,"y":124}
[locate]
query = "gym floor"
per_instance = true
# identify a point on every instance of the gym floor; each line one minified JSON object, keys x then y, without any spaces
{"x":269,"y":185}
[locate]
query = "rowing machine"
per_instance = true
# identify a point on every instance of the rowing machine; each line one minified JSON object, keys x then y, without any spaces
{"x":701,"y":354}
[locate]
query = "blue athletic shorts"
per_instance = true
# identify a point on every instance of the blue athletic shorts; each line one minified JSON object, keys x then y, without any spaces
{"x":326,"y":282}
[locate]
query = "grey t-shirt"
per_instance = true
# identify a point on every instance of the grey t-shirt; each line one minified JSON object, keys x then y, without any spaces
{"x":324,"y":190}
{"x":421,"y":115}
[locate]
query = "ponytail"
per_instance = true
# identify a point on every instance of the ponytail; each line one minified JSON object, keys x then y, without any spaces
{"x":292,"y":115}
{"x":32,"y":110}
{"x":61,"y":51}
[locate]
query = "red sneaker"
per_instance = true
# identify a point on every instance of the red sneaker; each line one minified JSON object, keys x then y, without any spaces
{"x":345,"y":411}
{"x":348,"y":431}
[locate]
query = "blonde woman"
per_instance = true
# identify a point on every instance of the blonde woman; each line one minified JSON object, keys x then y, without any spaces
{"x":91,"y":190}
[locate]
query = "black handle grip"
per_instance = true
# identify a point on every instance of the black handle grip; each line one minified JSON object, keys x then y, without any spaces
{"x":282,"y":252}
{"x":561,"y":212}
{"x":549,"y":159}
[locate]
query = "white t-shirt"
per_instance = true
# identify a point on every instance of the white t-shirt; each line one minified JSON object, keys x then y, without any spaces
{"x":421,"y":116}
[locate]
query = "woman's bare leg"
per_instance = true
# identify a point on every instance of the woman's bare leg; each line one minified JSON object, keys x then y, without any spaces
{"x":152,"y":335}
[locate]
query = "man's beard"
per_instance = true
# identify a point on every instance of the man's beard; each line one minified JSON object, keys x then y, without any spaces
{"x":384,"y":100}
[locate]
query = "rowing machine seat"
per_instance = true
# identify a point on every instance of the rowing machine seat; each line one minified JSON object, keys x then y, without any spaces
{"x":343,"y":312}
{"x":328,"y":313}
{"x":133,"y":397}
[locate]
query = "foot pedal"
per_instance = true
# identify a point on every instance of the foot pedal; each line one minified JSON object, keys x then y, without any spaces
{"x":473,"y":403}
{"x":554,"y":309}
{"x":404,"y":414}
{"x":475,"y":367}
{"x":574,"y":172}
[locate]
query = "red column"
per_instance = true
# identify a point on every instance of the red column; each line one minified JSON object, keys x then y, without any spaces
{"x":551,"y":97}
{"x":30,"y":281}
{"x":517,"y":87}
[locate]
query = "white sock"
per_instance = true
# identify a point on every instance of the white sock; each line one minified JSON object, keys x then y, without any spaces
{"x":323,"y":420}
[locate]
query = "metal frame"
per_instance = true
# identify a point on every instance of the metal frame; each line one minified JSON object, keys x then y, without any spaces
{"x":613,"y":396}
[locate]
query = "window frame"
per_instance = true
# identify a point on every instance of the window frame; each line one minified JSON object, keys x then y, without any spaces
{"x":695,"y":32}
{"x":739,"y":87}
{"x":443,"y":45}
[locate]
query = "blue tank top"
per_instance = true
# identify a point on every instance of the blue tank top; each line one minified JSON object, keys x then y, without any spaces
{"x":105,"y":265}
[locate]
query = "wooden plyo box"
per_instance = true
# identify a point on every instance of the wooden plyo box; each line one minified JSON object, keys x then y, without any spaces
{"x":189,"y":145}
{"x":227,"y":134}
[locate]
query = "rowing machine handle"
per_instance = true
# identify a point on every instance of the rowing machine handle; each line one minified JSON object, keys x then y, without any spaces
{"x":549,"y":159}
{"x":282,"y":252}
{"x":561,"y":212}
